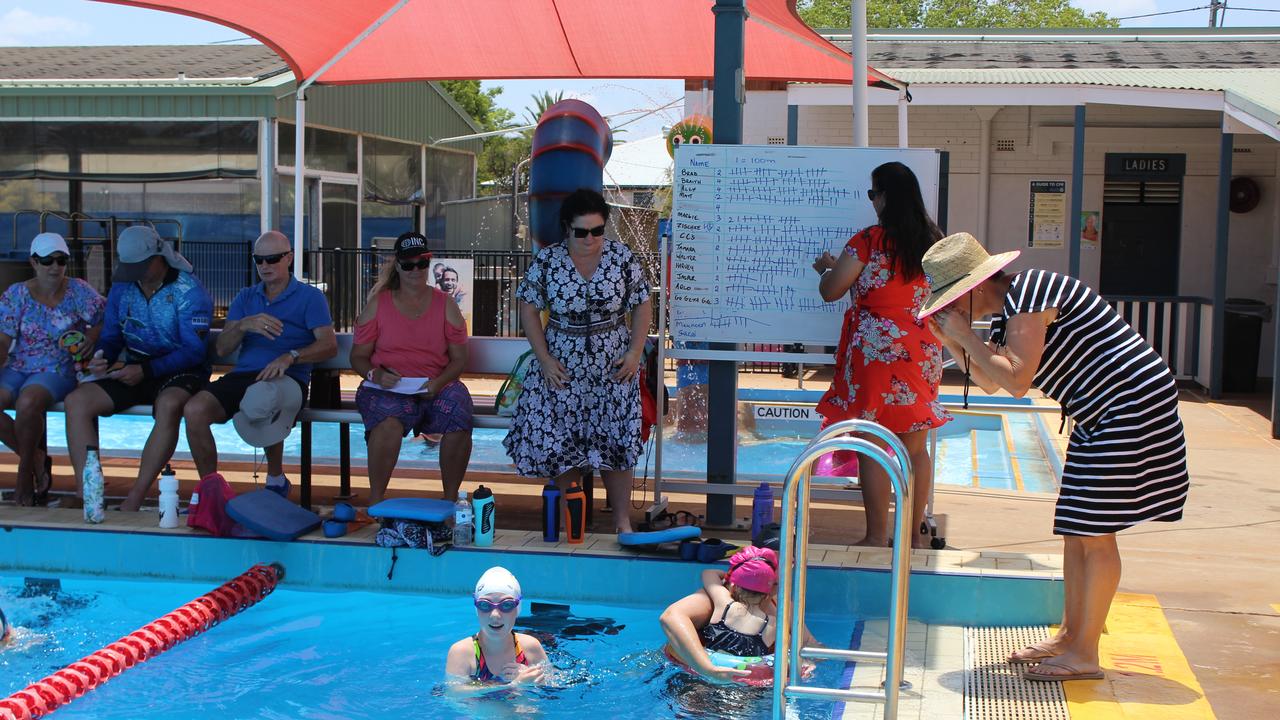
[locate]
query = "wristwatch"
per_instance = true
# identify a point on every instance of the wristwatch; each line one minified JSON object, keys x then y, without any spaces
{"x":295,"y":355}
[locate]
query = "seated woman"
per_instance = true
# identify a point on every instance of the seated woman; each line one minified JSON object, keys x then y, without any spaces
{"x":409,"y":329}
{"x":497,"y":654}
{"x":45,"y":319}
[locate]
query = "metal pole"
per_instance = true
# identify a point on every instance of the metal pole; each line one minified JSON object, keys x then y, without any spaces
{"x":663,"y":248}
{"x":858,"y":24}
{"x":1077,"y":194}
{"x":299,"y":182}
{"x":1217,"y":353}
{"x":903,"y":139}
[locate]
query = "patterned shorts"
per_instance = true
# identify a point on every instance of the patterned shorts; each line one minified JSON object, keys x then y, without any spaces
{"x":449,"y":411}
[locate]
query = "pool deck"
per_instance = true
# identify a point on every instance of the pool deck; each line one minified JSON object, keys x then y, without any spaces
{"x":1198,"y":617}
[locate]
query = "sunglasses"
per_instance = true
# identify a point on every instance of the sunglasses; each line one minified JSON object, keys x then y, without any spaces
{"x":270,"y":259}
{"x":873,"y":194}
{"x":419,"y":265}
{"x":505,"y":606}
{"x":47,"y":261}
{"x":580,"y":232}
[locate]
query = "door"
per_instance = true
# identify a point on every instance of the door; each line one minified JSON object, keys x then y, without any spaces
{"x":1141,"y":238}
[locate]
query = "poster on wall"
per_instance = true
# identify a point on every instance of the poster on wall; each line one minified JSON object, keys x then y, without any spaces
{"x":1047,"y":216}
{"x":456,"y":278}
{"x":1090,"y":229}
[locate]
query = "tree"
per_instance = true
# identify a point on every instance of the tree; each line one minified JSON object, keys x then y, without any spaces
{"x":501,"y":152}
{"x":540,"y":105}
{"x":955,"y":13}
{"x":480,"y":104}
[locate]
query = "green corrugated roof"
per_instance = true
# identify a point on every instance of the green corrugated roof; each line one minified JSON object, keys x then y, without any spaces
{"x":1255,"y":91}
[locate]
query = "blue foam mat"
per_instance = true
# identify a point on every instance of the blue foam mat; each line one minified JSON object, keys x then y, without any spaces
{"x":423,"y":509}
{"x":268,"y":514}
{"x":658,"y":537}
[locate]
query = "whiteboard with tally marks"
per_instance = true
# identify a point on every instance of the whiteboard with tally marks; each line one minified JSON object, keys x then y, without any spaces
{"x":748,"y":222}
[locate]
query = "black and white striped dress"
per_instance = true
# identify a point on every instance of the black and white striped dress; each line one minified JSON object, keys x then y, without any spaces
{"x":1127,"y":457}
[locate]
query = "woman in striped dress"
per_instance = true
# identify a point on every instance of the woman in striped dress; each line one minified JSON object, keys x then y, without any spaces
{"x":1126,"y":458}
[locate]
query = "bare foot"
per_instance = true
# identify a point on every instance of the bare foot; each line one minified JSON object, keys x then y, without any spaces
{"x":1036,"y":652}
{"x":873,"y":542}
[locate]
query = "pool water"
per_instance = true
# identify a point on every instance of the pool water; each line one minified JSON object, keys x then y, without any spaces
{"x":315,"y":654}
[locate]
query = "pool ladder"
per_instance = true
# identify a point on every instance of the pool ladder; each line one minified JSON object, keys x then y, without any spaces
{"x":793,"y":567}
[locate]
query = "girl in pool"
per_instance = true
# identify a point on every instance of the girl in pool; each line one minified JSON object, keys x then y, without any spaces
{"x":497,"y":654}
{"x":744,"y":627}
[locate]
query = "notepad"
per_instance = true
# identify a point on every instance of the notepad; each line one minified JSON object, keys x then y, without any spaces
{"x":406,"y":386}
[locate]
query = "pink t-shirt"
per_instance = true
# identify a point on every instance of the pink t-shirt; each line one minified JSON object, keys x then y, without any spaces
{"x":413,"y":347}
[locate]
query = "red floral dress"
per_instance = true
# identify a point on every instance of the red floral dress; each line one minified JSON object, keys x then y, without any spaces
{"x":888,"y":364}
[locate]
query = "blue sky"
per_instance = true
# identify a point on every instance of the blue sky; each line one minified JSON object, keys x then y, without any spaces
{"x":79,"y":22}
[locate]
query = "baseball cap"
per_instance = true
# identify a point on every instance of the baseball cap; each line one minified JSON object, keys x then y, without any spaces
{"x":135,"y":248}
{"x":411,"y":244}
{"x":754,"y":568}
{"x":46,"y":244}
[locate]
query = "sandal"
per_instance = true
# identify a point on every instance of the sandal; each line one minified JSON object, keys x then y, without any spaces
{"x":1036,"y":673}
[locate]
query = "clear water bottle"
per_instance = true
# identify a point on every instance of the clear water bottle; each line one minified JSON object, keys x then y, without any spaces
{"x":93,"y":482}
{"x":463,"y":523}
{"x":168,"y":498}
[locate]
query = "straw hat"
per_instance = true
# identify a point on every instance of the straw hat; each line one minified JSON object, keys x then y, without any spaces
{"x":955,"y":265}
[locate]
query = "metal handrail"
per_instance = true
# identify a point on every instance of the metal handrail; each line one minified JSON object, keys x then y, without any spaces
{"x":792,"y":566}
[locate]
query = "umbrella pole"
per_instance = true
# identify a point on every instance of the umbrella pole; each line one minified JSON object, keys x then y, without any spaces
{"x":299,"y":182}
{"x":858,"y":24}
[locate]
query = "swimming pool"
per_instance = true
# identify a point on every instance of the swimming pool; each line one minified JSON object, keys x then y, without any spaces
{"x":341,"y":639}
{"x":993,"y":450}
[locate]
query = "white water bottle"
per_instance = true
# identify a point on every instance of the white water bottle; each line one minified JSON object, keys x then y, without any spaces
{"x":463,"y":524}
{"x":92,"y":486}
{"x":168,"y":498}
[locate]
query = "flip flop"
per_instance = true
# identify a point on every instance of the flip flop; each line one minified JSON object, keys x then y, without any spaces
{"x":1071,"y":674}
{"x":1041,"y":653}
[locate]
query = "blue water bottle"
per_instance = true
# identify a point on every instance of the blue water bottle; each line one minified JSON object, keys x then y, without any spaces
{"x":551,"y":513}
{"x":482,"y":504}
{"x":761,"y":509}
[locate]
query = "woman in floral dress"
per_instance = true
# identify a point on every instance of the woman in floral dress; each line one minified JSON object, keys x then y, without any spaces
{"x":580,"y":405}
{"x":888,"y":364}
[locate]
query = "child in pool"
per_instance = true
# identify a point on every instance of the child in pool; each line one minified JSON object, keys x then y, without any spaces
{"x":497,"y":654}
{"x":740,"y":623}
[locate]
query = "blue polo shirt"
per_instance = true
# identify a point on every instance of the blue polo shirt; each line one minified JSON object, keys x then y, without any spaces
{"x":300,"y":307}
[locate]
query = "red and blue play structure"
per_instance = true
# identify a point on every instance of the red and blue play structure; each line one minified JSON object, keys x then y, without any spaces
{"x":571,"y":146}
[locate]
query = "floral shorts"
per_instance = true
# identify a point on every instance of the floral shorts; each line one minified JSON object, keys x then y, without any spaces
{"x":449,"y":411}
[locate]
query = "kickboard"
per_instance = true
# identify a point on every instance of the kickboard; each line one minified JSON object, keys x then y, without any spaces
{"x":658,"y":537}
{"x":268,"y":514}
{"x":421,"y":509}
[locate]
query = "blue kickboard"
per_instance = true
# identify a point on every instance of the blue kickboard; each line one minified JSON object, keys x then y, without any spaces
{"x":422,"y":509}
{"x":658,"y":537}
{"x":268,"y":514}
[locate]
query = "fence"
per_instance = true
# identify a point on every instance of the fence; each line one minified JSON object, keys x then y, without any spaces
{"x":1171,"y":325}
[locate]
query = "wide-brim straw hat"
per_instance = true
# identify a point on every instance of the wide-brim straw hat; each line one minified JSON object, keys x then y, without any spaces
{"x":955,"y":265}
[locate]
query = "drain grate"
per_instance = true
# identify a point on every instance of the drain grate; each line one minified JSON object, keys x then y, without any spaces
{"x":994,"y":689}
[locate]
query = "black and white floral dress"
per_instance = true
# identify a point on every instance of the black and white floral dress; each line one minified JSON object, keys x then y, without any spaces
{"x":594,"y":421}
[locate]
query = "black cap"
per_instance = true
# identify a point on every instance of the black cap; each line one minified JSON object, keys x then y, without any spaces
{"x":481,"y":493}
{"x":411,"y":244}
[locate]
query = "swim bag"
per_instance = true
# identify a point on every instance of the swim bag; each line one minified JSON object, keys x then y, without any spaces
{"x":509,"y":394}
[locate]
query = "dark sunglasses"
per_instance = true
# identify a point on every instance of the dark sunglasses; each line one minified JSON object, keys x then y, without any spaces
{"x":873,"y":194}
{"x":419,"y":265}
{"x":505,"y":606}
{"x":596,"y":231}
{"x":47,"y":261}
{"x":270,"y":259}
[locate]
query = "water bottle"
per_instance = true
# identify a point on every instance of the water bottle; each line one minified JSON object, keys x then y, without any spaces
{"x":482,"y":504}
{"x":551,"y":513}
{"x":168,"y":498}
{"x":462,"y":521}
{"x":93,"y":485}
{"x":761,"y":509}
{"x":575,"y":515}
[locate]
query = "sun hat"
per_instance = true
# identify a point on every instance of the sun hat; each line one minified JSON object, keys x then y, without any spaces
{"x":411,"y":245}
{"x":268,"y":410}
{"x":46,"y":244}
{"x":497,"y":580}
{"x":955,"y":265}
{"x":136,"y":246}
{"x":754,"y":568}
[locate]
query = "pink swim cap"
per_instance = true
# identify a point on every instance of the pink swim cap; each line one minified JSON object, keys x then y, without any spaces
{"x":754,"y":568}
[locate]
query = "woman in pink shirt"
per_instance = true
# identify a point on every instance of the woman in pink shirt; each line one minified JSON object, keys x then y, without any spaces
{"x":409,"y":329}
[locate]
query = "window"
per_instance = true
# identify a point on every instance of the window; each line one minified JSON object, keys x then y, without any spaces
{"x":326,"y":149}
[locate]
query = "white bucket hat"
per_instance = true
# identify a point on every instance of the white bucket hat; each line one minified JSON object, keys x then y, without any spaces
{"x":268,"y":411}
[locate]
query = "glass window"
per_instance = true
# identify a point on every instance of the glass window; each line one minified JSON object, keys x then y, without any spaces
{"x":326,"y":149}
{"x":195,"y":210}
{"x":450,"y":176}
{"x":392,"y":171}
{"x":22,"y":201}
{"x":381,"y":223}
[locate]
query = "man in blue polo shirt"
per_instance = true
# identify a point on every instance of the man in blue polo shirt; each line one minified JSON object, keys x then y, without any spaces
{"x":281,"y":327}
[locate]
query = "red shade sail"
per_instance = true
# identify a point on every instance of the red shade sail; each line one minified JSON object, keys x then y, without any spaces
{"x":513,"y":39}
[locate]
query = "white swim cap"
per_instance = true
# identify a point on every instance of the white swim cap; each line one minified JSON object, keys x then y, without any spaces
{"x":497,"y":580}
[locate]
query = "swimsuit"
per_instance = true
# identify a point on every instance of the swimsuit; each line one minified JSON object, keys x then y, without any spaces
{"x":720,"y":637}
{"x":482,"y":673}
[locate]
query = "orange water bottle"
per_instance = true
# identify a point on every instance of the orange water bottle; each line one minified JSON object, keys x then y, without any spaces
{"x":575,"y":515}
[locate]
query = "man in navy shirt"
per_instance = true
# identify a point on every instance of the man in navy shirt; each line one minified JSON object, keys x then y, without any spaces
{"x":151,"y":351}
{"x":281,"y":326}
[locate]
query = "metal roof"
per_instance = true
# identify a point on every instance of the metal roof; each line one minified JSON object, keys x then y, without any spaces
{"x":140,"y":64}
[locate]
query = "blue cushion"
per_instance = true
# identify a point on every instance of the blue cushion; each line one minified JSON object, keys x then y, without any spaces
{"x":422,"y":509}
{"x":266,"y":513}
{"x":657,"y":537}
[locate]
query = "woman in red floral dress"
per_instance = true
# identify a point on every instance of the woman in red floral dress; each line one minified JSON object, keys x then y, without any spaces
{"x":888,"y":364}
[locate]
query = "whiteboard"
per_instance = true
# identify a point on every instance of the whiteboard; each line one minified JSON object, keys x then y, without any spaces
{"x":747,"y":223}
